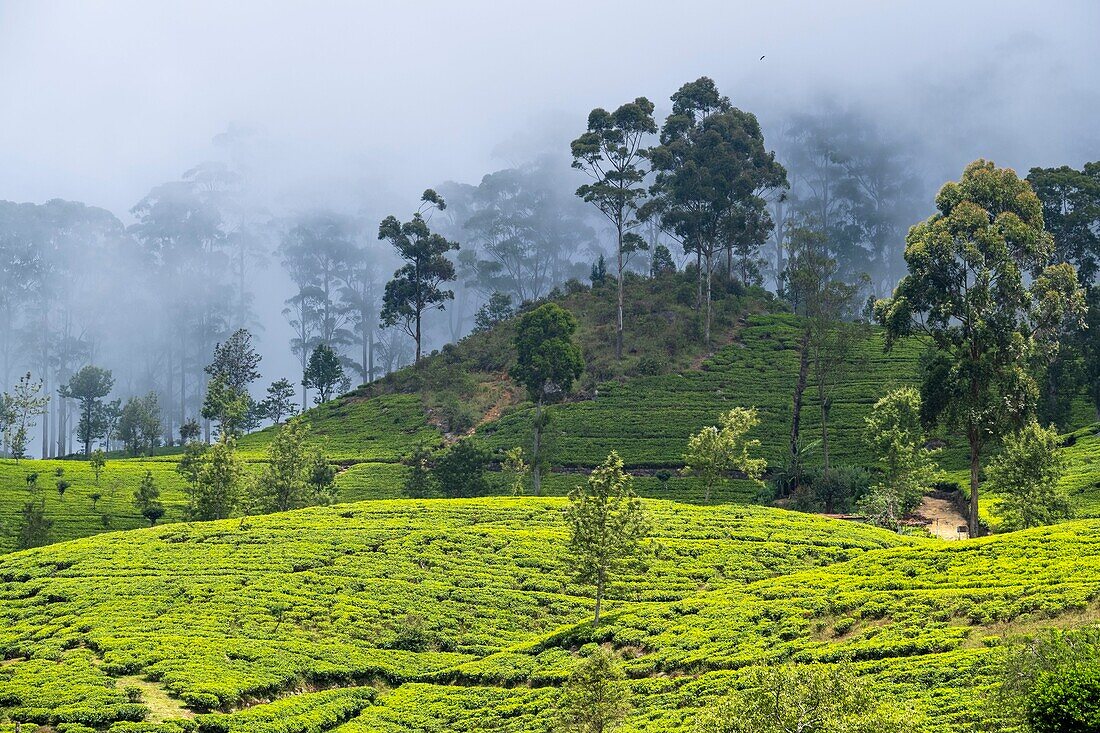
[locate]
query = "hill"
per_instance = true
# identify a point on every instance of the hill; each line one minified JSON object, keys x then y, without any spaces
{"x":667,"y":386}
{"x":320,"y":619}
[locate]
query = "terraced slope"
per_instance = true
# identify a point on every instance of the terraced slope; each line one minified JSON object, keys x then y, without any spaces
{"x":77,"y":514}
{"x":648,"y":419}
{"x":461,"y":615}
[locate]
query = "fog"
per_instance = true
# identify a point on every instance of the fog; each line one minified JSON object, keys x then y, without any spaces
{"x":356,"y":107}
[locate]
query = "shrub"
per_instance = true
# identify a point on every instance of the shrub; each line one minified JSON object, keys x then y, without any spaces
{"x":460,"y":472}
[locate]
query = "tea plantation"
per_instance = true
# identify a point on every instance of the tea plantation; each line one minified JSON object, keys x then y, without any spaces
{"x":449,"y":615}
{"x":647,"y":419}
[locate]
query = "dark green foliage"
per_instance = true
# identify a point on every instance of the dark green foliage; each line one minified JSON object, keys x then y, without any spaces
{"x":547,"y":363}
{"x":320,"y":478}
{"x":498,"y":308}
{"x":662,"y":262}
{"x":34,"y":531}
{"x":147,"y":499}
{"x":547,"y":360}
{"x":988,"y":324}
{"x":611,"y":152}
{"x":324,"y":373}
{"x":712,"y":167}
{"x":832,"y":490}
{"x":415,"y":286}
{"x":190,"y":431}
{"x":1051,"y":683}
{"x":460,"y":471}
{"x":89,"y":386}
{"x":279,"y":402}
{"x":1067,"y":701}
{"x":1071,"y":213}
{"x":420,"y":480}
{"x":596,"y":698}
{"x":235,"y":361}
{"x":598,"y":275}
{"x":139,"y":426}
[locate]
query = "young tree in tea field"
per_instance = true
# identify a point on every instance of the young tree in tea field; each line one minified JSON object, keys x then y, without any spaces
{"x":606,"y":525}
{"x":416,"y":286}
{"x":320,"y":478}
{"x":139,"y":425}
{"x":460,"y":471}
{"x":219,"y":482}
{"x":595,"y":698}
{"x":236,"y":360}
{"x":547,"y":363}
{"x":895,"y":437}
{"x":282,"y":484}
{"x":34,"y":530}
{"x":279,"y":402}
{"x":89,"y":386}
{"x":147,"y":499}
{"x":226,"y":405}
{"x":611,"y":152}
{"x":98,"y":462}
{"x":1026,"y":476}
{"x":25,"y":403}
{"x":714,"y":452}
{"x":805,"y":699}
{"x":967,"y":293}
{"x":515,"y":470}
{"x":420,"y":481}
{"x":324,"y":373}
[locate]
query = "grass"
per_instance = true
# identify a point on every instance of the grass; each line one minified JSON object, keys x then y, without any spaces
{"x":452,"y":614}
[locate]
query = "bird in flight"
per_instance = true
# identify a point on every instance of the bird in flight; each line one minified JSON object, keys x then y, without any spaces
{"x":762,"y":57}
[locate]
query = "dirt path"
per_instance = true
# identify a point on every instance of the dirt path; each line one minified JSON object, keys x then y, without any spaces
{"x":941,"y":518}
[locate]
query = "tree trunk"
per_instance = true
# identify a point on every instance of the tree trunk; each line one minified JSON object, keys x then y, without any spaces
{"x":61,"y":423}
{"x":619,"y":322}
{"x":600,"y":581}
{"x":710,"y":278}
{"x":417,"y":360}
{"x":975,"y":451}
{"x":698,"y":279}
{"x":799,"y":390}
{"x":822,"y":398}
{"x":370,"y":355}
{"x":364,"y":373}
{"x":536,"y":462}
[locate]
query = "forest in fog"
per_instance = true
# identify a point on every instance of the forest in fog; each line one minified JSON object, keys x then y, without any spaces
{"x":148,"y":292}
{"x":245,"y":235}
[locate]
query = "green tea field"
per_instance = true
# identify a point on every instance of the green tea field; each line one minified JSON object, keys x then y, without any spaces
{"x":462,"y":615}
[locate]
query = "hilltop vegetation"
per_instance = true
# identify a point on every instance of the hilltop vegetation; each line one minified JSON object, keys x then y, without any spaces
{"x":223,"y":614}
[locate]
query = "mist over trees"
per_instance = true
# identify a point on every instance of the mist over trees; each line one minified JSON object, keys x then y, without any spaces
{"x":146,"y":294}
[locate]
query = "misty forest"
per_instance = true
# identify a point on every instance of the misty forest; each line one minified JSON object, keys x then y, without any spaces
{"x":478,"y":379}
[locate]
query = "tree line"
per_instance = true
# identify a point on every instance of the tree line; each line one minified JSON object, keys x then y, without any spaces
{"x":190,"y":260}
